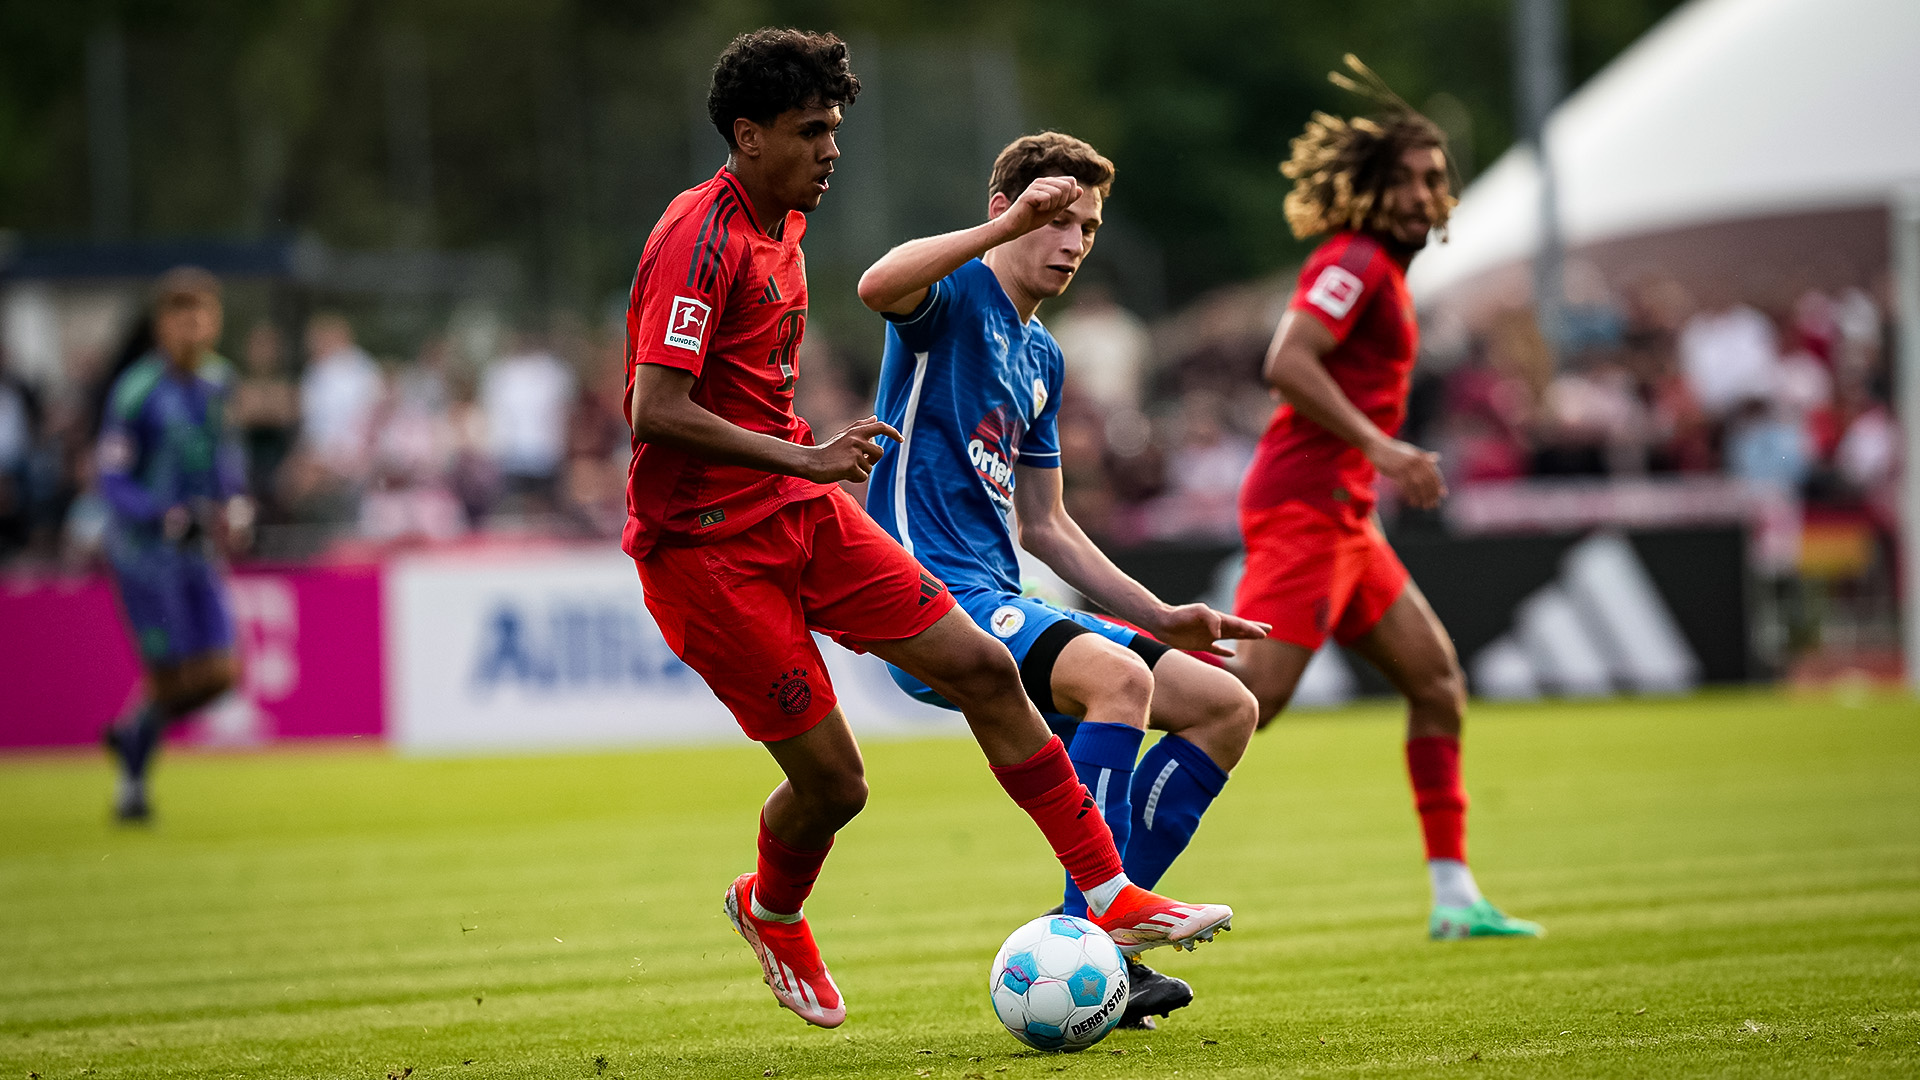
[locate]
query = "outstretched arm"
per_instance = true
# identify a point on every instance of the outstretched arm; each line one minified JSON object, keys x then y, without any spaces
{"x":1047,"y":530}
{"x":900,"y":280}
{"x":662,"y":411}
{"x":1296,"y":367}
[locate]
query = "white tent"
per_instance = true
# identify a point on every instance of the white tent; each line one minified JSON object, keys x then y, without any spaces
{"x":1729,"y":109}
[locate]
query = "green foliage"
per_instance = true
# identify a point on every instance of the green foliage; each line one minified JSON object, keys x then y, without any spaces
{"x":1731,"y":884}
{"x":559,"y":128}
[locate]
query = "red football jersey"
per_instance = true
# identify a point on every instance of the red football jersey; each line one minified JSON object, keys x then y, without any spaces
{"x":1359,"y":292}
{"x":717,"y":297}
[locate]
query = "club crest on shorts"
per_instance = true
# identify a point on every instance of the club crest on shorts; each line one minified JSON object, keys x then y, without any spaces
{"x":687,"y":323}
{"x":1007,"y":621}
{"x":791,"y":692}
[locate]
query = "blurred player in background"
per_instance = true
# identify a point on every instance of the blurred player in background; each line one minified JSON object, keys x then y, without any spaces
{"x":1342,"y":360}
{"x":974,"y":380}
{"x":745,"y":542}
{"x":174,"y":479}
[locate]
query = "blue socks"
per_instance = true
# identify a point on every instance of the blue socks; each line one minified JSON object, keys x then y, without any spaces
{"x":1174,"y":784}
{"x":1103,"y":756}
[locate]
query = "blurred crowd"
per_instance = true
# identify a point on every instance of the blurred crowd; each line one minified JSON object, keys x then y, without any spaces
{"x":1795,"y":397}
{"x":355,"y":449}
{"x":1157,"y":426}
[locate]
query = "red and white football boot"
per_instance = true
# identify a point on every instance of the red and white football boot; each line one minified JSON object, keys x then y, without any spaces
{"x":789,"y":959}
{"x":1139,"y":920}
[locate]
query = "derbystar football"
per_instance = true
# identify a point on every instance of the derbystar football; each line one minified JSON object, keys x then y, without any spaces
{"x":1059,"y":983}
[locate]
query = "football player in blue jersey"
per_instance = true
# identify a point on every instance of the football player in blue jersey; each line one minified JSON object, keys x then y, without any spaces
{"x":972,"y":381}
{"x":173,"y":478}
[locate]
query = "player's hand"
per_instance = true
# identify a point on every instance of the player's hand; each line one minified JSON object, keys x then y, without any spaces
{"x":1200,"y":628}
{"x":1414,"y":471}
{"x":849,"y":455}
{"x":1041,"y":202}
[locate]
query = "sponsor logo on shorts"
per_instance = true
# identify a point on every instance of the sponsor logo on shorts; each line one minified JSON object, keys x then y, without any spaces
{"x":687,"y":323}
{"x":1335,"y":291}
{"x":1007,"y":621}
{"x":711,"y":517}
{"x":791,"y":692}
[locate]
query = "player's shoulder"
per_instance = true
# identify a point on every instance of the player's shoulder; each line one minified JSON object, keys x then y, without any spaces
{"x":702,"y":219}
{"x":1353,"y":252}
{"x":135,"y":385}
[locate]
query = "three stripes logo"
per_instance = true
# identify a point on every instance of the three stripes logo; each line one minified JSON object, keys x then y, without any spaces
{"x":930,"y":588}
{"x":771,"y":293}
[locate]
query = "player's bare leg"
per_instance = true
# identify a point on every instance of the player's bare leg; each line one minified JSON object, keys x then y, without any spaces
{"x":1204,"y":705}
{"x":977,"y":674}
{"x":1411,"y":648}
{"x":1271,"y":670}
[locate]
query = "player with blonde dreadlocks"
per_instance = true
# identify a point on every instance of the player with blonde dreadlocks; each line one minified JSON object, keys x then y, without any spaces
{"x":1342,"y":361}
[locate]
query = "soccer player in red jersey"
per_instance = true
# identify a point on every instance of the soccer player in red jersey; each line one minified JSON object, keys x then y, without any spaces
{"x":1342,"y":360}
{"x":745,"y":544}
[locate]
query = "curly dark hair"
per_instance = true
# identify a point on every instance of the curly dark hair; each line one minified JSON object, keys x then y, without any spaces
{"x":769,"y":71}
{"x":1050,"y":153}
{"x":1341,"y":168}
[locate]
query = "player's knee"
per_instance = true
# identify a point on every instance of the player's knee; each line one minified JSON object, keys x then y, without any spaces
{"x":1124,"y":684}
{"x":844,"y":797}
{"x":1221,"y":721}
{"x":978,"y":672}
{"x":1441,"y":694}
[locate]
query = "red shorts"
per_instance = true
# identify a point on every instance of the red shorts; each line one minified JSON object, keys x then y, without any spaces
{"x":740,"y":610}
{"x":1310,"y":574}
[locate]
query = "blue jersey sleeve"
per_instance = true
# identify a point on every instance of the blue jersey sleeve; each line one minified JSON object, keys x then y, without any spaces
{"x":921,"y":327}
{"x":1040,"y":448}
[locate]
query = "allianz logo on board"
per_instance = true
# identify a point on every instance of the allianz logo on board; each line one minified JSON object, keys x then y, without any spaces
{"x":569,"y":645}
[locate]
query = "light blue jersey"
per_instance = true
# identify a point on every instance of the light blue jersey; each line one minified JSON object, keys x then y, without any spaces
{"x":974,"y":391}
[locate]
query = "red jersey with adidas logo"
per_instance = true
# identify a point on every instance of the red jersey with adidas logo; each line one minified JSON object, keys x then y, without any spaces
{"x":1359,"y":292}
{"x":716,"y":297}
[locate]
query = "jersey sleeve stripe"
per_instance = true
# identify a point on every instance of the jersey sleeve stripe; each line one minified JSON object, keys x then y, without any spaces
{"x":1357,"y":257}
{"x":717,"y":246}
{"x":906,"y":448}
{"x":700,"y":243}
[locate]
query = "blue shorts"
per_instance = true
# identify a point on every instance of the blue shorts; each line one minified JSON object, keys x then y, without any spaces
{"x":174,"y":600}
{"x":1035,"y":632}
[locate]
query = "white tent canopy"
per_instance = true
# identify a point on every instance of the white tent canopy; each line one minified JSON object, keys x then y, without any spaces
{"x":1728,"y":109}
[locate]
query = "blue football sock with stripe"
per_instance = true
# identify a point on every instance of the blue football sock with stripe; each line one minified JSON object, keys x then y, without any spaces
{"x":1173,"y":786}
{"x":1103,"y":756}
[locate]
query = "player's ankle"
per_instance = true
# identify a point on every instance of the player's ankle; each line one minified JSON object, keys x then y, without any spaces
{"x":763,"y":914}
{"x":1102,"y":896}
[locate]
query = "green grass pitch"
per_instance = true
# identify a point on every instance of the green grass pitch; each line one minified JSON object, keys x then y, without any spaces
{"x":1731,"y":882}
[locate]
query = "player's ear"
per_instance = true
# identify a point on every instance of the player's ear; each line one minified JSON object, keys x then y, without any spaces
{"x":997,"y":205}
{"x":746,"y":137}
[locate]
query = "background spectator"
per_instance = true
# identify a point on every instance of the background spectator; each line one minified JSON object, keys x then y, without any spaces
{"x":338,"y":395}
{"x":526,"y":397}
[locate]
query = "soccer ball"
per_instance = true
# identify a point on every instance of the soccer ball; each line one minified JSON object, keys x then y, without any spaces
{"x":1059,"y":983}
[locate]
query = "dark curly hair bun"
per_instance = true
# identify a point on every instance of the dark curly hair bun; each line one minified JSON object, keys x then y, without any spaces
{"x":767,"y":72}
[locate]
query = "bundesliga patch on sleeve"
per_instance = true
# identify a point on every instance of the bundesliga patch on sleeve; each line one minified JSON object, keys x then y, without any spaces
{"x":1335,"y":291}
{"x":687,"y":323}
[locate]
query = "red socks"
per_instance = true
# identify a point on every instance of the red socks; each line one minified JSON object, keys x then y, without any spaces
{"x":1433,"y":763}
{"x":786,"y":873}
{"x":1046,"y":788}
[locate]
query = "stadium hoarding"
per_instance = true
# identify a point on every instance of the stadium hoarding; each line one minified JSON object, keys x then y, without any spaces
{"x":307,"y":636}
{"x":554,"y":649}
